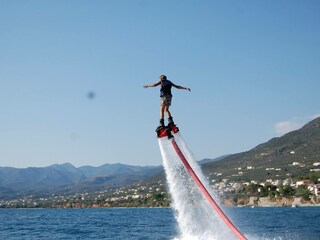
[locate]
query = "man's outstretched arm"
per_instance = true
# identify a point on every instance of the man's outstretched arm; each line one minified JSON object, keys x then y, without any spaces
{"x":180,"y":87}
{"x":152,"y":85}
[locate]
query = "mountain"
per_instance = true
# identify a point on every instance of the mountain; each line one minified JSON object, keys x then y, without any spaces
{"x":26,"y":178}
{"x":113,"y":169}
{"x":16,"y":182}
{"x":289,"y":156}
{"x":209,"y":160}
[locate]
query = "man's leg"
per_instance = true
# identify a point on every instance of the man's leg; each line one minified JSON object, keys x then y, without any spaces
{"x":161,"y":123}
{"x":166,"y":109}
{"x":170,"y":120}
{"x":162,"y":107}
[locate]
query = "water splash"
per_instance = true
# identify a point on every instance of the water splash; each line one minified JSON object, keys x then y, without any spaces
{"x":196,"y":218}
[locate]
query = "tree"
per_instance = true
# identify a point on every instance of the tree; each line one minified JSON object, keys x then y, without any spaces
{"x":287,"y":191}
{"x":314,"y":177}
{"x":263,"y":191}
{"x":252,"y":189}
{"x":303,"y":192}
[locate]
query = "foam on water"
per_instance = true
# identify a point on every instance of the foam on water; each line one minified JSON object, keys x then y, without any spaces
{"x":196,"y":218}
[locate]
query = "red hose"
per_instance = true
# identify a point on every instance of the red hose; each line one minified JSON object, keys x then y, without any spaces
{"x":206,"y":193}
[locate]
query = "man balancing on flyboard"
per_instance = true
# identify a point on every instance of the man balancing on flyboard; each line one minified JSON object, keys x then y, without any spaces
{"x":165,"y":98}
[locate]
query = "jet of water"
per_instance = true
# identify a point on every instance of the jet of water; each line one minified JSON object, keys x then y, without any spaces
{"x":196,"y":218}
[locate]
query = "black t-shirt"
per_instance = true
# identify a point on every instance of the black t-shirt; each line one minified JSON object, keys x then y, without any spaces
{"x":165,"y":89}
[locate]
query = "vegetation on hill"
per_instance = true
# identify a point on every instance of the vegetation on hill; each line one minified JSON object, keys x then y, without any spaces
{"x":289,"y":156}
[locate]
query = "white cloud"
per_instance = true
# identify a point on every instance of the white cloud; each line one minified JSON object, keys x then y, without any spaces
{"x":284,"y":127}
{"x":314,"y":116}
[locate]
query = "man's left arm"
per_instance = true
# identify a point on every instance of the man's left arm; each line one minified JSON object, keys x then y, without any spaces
{"x":180,"y":87}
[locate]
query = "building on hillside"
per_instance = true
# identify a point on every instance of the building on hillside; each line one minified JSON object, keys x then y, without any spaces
{"x":317,"y":189}
{"x":269,"y":181}
{"x":306,"y":182}
{"x":278,"y":182}
{"x":287,"y":182}
{"x":315,"y":170}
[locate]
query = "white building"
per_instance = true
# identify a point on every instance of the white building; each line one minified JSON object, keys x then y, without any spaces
{"x":317,"y":189}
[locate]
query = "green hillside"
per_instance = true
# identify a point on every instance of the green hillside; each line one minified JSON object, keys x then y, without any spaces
{"x":289,"y":156}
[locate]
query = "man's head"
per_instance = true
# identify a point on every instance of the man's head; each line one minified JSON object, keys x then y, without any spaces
{"x":163,"y":77}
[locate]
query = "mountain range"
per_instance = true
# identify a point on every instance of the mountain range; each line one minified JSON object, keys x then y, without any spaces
{"x":64,"y":178}
{"x":273,"y":159}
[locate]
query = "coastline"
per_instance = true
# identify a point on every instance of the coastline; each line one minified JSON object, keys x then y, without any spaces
{"x":272,"y":202}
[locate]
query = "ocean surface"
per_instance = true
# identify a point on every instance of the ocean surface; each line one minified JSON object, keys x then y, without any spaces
{"x":151,"y":223}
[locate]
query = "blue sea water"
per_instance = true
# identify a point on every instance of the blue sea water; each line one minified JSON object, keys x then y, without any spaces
{"x":151,"y":223}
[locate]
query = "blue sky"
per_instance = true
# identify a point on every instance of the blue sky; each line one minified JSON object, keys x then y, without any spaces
{"x":253,"y":67}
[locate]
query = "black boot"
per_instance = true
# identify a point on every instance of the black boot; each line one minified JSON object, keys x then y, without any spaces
{"x":161,"y":124}
{"x":170,"y":122}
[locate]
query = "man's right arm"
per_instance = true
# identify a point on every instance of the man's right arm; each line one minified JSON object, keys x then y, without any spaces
{"x":152,"y":85}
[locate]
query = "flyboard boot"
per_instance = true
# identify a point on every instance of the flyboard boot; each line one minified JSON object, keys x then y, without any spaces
{"x":161,"y":125}
{"x":167,"y":131}
{"x":170,"y":122}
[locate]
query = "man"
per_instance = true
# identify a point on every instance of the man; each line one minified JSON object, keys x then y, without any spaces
{"x":165,"y":98}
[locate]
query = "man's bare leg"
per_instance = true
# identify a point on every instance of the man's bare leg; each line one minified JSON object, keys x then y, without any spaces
{"x":166,"y":109}
{"x":162,"y":109}
{"x":170,"y":120}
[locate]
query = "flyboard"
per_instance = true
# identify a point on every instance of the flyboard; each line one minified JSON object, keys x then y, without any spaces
{"x":169,"y":132}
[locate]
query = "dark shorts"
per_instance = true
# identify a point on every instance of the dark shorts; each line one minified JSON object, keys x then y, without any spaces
{"x":165,"y":100}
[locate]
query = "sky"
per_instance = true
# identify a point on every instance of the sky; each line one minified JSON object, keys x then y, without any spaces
{"x":71,"y":77}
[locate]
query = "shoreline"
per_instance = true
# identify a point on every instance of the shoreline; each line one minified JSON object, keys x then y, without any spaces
{"x":273,"y":202}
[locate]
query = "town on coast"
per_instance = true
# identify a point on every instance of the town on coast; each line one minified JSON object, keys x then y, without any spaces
{"x":270,"y":193}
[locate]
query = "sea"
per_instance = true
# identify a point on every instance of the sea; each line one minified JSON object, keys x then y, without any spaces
{"x":152,"y":223}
